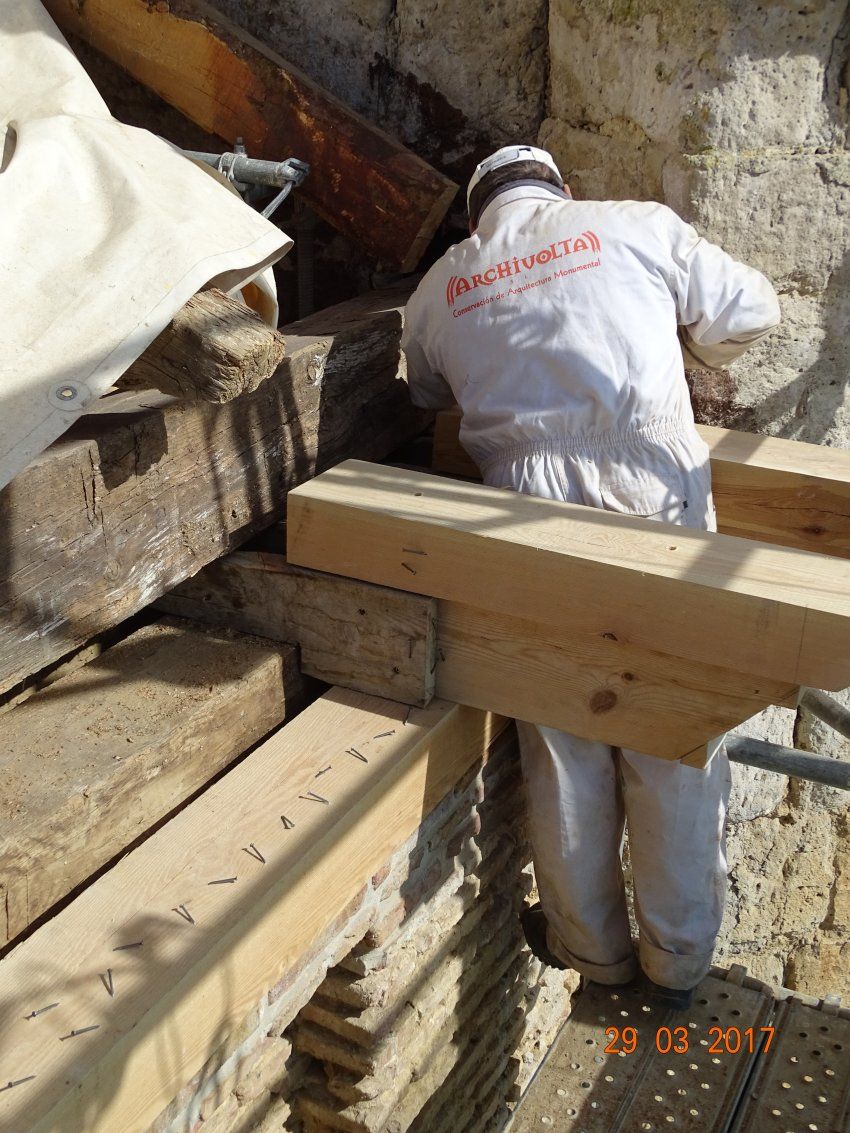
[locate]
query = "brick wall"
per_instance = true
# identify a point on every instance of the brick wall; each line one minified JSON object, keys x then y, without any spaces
{"x":420,"y":1008}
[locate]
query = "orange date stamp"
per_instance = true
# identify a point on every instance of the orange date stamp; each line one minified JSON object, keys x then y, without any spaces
{"x":678,"y":1040}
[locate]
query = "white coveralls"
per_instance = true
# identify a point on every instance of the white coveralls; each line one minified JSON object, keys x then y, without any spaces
{"x":554,"y":327}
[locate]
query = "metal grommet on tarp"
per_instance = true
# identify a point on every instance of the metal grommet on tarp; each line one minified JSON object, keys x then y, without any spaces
{"x":70,"y":397}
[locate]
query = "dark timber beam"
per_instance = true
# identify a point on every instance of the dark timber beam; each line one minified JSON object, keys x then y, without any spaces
{"x":362,"y":181}
{"x":145,"y":490}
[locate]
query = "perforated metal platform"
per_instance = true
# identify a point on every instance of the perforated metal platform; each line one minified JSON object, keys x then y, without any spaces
{"x":744,"y":1059}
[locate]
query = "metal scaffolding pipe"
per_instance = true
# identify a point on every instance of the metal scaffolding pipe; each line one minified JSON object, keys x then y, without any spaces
{"x":789,"y":761}
{"x":826,"y":709}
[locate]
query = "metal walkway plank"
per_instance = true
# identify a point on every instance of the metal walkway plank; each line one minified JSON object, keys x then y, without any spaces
{"x":803,"y":1084}
{"x":619,"y":1065}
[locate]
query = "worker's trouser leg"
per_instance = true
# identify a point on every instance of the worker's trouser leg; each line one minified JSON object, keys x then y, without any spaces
{"x":578,"y":791}
{"x":676,"y":817}
{"x":576,"y":812}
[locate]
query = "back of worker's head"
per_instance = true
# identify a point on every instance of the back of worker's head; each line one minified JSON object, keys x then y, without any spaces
{"x":503,"y":168}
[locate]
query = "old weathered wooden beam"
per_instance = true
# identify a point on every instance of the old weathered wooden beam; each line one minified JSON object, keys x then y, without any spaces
{"x":765,"y":488}
{"x":99,"y":758}
{"x":208,"y":953}
{"x":214,"y":349}
{"x":652,"y":618}
{"x":362,"y":181}
{"x":353,"y":634}
{"x":145,"y":490}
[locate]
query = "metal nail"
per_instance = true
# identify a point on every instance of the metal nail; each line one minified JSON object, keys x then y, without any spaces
{"x":107,"y":981}
{"x":324,"y":771}
{"x":222,"y":881}
{"x":79,"y":1031}
{"x":288,"y":824}
{"x":41,"y":1010}
{"x":182,"y":911}
{"x":412,"y":551}
{"x":313,"y":797}
{"x":357,"y":755}
{"x":17,"y":1082}
{"x":124,"y":947}
{"x":252,"y":850}
{"x":407,"y":566}
{"x":381,"y":735}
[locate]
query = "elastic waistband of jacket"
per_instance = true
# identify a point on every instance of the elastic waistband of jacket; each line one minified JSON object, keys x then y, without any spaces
{"x":581,"y":444}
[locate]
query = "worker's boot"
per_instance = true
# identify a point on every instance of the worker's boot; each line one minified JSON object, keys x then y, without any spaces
{"x":669,"y":998}
{"x":534,"y":925}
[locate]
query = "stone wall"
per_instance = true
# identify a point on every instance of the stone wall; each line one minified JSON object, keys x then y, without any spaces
{"x":736,"y":115}
{"x":419,"y":1009}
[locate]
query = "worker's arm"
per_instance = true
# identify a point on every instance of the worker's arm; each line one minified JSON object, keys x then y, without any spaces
{"x":428,"y":388}
{"x":723,"y":306}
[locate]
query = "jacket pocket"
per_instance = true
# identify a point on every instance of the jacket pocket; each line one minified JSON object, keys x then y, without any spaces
{"x":649,"y":500}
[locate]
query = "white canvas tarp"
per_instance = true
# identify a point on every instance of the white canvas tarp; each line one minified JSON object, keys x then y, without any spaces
{"x":105,"y":232}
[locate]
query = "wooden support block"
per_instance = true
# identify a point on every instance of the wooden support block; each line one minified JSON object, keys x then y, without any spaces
{"x":363,"y":181}
{"x":765,"y":488}
{"x":708,"y":599}
{"x":780,"y":491}
{"x":96,"y":760}
{"x":144,"y":491}
{"x":352,"y":634}
{"x":209,"y":952}
{"x":593,"y":687}
{"x":448,"y":455}
{"x":214,"y":349}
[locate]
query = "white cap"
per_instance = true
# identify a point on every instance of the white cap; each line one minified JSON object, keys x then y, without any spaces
{"x":507,"y":155}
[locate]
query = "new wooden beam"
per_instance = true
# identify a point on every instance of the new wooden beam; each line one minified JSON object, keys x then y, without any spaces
{"x":362,"y":181}
{"x":214,"y":349}
{"x":144,"y":491}
{"x":105,"y":753}
{"x":585,"y":574}
{"x":350,"y":633}
{"x":594,"y":687}
{"x":209,"y":952}
{"x":765,"y":488}
{"x":780,"y":491}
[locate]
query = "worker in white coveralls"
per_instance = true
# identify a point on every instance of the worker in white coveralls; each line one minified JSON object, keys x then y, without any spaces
{"x":554,"y":327}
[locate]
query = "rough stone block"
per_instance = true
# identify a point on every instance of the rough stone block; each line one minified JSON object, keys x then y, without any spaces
{"x":696,"y":75}
{"x":742,"y":201}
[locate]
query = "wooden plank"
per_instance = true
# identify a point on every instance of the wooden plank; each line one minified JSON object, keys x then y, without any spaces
{"x":145,"y":490}
{"x":765,"y":488}
{"x":214,"y":349}
{"x":593,"y":687}
{"x":95,"y":761}
{"x":780,"y":491}
{"x":744,"y":606}
{"x":362,"y":181}
{"x":448,"y":454}
{"x":353,"y":634}
{"x":189,"y":984}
